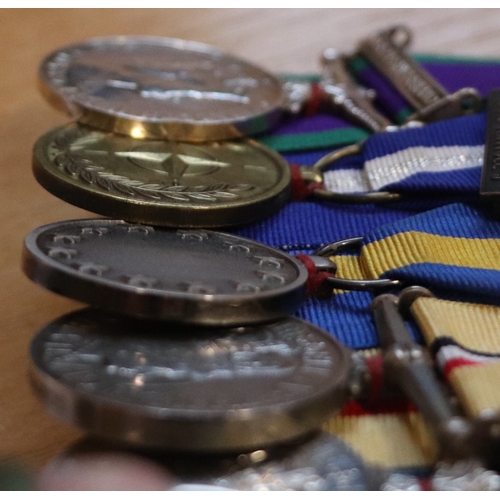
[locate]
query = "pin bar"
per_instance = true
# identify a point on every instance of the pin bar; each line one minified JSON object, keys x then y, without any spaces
{"x":337,"y":90}
{"x":386,"y":51}
{"x":407,"y":367}
{"x":347,"y":97}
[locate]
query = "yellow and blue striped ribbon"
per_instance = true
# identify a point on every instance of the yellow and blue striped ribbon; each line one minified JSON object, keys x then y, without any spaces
{"x":453,"y":250}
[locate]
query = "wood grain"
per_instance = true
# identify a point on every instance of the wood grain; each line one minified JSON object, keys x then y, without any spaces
{"x":279,"y":40}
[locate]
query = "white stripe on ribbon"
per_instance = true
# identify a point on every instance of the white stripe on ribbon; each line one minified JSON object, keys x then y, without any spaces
{"x":388,"y":169}
{"x":450,"y":352}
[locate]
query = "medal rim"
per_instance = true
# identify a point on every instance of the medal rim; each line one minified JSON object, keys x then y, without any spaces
{"x":216,"y":430}
{"x":176,"y":306}
{"x":166,"y":214}
{"x":158,"y":128}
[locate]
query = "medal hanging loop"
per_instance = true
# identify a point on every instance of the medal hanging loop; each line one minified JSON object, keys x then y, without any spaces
{"x":316,"y":173}
{"x":352,"y":284}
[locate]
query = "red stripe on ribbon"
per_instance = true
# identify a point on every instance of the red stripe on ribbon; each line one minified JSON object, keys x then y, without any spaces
{"x":375,"y":365}
{"x":380,"y":406}
{"x":457,"y":362}
{"x":315,"y":100}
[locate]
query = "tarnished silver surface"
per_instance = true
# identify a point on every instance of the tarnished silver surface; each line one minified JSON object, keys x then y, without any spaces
{"x":321,"y":463}
{"x":297,"y":94}
{"x":401,"y":482}
{"x":172,"y":387}
{"x":161,"y":88}
{"x":167,"y":183}
{"x":198,"y":277}
{"x":464,"y":475}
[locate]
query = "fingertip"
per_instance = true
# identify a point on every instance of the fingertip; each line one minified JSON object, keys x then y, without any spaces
{"x":104,"y":472}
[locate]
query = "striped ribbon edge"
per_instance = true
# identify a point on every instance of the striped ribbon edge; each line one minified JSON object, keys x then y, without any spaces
{"x":449,"y":355}
{"x":396,"y":167}
{"x":314,"y":140}
{"x":465,"y":342}
{"x":412,"y":248}
{"x":340,"y":137}
{"x":386,"y":432}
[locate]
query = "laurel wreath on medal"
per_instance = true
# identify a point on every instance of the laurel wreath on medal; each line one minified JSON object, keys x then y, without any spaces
{"x":87,"y":171}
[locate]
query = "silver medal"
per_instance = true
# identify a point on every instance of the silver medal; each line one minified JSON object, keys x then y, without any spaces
{"x":197,"y":277}
{"x":161,"y":88}
{"x":321,"y":463}
{"x":189,"y":388}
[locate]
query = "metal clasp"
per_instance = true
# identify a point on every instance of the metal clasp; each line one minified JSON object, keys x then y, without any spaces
{"x":347,"y":97}
{"x":407,"y":366}
{"x":386,"y":50}
{"x":315,"y":174}
{"x":338,"y":90}
{"x":352,"y":284}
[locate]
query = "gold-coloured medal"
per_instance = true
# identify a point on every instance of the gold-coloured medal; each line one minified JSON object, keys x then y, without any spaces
{"x":164,"y":183}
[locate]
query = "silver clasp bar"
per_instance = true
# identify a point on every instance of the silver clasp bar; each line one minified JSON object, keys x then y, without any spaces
{"x":386,"y":51}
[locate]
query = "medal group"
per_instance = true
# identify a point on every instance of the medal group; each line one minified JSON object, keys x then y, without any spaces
{"x":189,"y":349}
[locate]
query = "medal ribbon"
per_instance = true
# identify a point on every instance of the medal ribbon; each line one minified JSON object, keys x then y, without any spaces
{"x":443,"y":159}
{"x":464,"y":340}
{"x":452,"y":250}
{"x":439,"y":158}
{"x":385,"y":429}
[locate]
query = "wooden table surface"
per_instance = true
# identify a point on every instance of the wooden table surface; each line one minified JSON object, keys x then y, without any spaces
{"x":279,"y":40}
